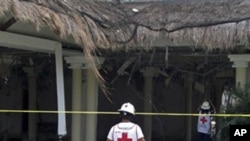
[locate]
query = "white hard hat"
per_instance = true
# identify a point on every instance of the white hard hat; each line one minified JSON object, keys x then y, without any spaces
{"x":127,"y":107}
{"x":213,"y":122}
{"x":205,"y":105}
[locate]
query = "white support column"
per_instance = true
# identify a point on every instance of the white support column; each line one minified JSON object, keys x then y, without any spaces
{"x":240,"y":63}
{"x":92,"y":102}
{"x":32,"y":118}
{"x":91,"y":105}
{"x":90,"y":99}
{"x":148,"y":74}
{"x":61,"y":124}
{"x":76,"y":64}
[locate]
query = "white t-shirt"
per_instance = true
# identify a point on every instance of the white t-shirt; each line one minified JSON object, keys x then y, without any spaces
{"x":227,"y":99}
{"x":125,"y":131}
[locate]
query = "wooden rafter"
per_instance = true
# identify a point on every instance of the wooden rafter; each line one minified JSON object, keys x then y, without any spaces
{"x":8,"y":24}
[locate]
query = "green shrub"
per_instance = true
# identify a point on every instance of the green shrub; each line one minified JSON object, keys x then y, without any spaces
{"x":241,"y":106}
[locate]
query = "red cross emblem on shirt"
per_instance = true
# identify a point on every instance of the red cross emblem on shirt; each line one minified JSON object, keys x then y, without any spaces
{"x":203,"y":120}
{"x":124,"y":137}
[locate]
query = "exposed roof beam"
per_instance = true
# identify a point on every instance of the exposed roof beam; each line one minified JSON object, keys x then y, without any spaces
{"x":23,"y":42}
{"x":18,"y":41}
{"x":8,"y":24}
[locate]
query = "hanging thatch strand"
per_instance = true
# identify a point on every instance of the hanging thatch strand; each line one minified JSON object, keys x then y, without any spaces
{"x":106,"y":25}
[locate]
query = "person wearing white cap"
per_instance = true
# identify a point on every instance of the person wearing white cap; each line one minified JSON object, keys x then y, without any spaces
{"x":205,"y":122}
{"x":126,"y":130}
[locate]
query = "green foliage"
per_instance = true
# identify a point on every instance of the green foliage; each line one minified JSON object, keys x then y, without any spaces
{"x":241,"y":105}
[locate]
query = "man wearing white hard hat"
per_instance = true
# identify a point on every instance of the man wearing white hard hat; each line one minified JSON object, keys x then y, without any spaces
{"x":126,"y":130}
{"x":205,"y":122}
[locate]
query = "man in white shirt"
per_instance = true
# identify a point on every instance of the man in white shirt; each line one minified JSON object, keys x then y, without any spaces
{"x":126,"y":130}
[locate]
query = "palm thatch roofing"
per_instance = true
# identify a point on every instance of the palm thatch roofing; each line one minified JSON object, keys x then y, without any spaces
{"x":124,"y":26}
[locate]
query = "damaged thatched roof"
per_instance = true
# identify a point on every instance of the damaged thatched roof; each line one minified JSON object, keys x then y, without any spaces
{"x":115,"y":26}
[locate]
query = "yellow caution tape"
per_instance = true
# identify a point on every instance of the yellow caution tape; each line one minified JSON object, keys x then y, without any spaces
{"x":114,"y":113}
